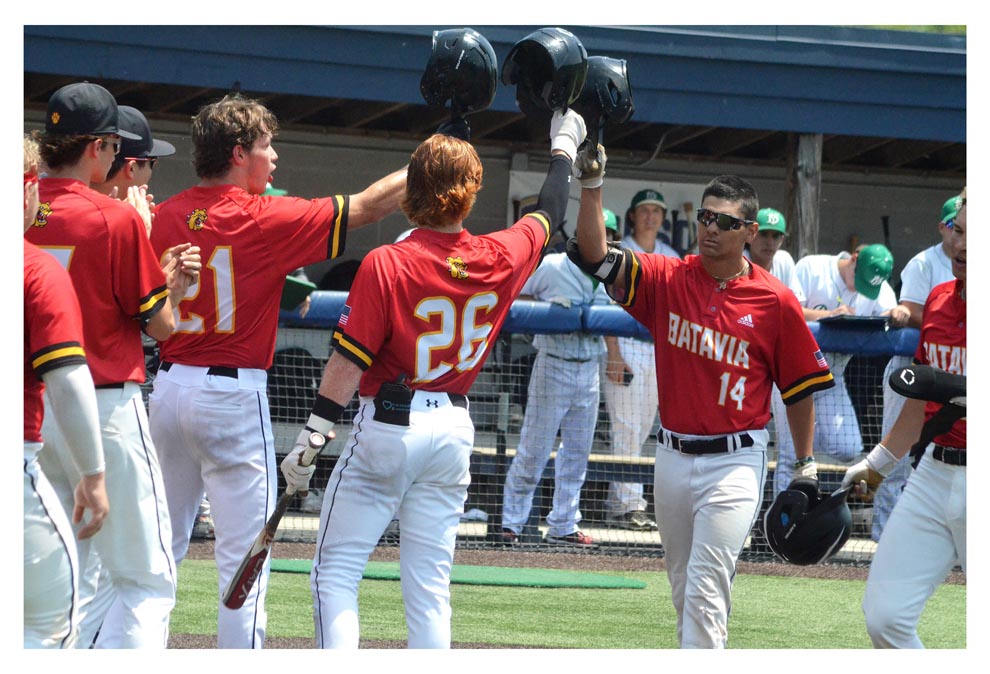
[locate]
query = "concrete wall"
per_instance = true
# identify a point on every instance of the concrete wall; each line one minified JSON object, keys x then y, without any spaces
{"x":313,"y":164}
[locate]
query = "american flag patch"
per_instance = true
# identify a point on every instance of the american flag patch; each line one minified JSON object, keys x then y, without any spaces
{"x":345,"y":314}
{"x":821,"y":359}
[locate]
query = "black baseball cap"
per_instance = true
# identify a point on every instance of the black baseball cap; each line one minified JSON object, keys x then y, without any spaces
{"x":84,"y":109}
{"x":145,"y":147}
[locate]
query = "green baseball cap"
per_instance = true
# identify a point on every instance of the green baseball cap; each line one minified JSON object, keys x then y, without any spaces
{"x":611,"y":221}
{"x":647,"y":197}
{"x":951,"y":208}
{"x":771,"y":220}
{"x":874,"y":265}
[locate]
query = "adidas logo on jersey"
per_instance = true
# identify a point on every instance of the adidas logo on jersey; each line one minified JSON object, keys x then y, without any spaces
{"x":746,"y":320}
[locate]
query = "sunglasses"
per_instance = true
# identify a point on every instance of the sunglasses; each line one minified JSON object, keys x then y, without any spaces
{"x":113,"y":143}
{"x":151,"y":161}
{"x":724,"y":222}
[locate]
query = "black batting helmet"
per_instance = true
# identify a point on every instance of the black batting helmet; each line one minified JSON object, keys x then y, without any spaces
{"x":802,"y":527}
{"x":548,"y":67}
{"x":462,"y":69}
{"x":606,"y":96}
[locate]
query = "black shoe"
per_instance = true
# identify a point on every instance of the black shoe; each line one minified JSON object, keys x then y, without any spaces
{"x":506,"y":537}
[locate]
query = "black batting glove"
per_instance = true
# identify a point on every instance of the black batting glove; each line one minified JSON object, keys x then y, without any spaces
{"x":457,"y":127}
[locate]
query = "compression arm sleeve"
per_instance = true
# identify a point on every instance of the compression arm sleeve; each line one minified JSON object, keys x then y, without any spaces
{"x":556,"y":188}
{"x":73,"y":402}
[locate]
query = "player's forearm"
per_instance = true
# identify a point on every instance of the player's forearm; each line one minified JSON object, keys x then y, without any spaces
{"x":73,"y":406}
{"x":591,"y":225}
{"x":340,"y":379}
{"x":555,"y":190}
{"x":377,"y":200}
{"x":801,"y":421}
{"x":906,"y":429}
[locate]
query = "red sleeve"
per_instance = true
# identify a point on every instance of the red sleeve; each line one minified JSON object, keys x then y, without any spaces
{"x":52,"y":318}
{"x":304,"y":231}
{"x":359,"y":339}
{"x":138,"y":282}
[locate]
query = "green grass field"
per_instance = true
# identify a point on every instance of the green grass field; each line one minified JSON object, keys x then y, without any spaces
{"x":767,"y":612}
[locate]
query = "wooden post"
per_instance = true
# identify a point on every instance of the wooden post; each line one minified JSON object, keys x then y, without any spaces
{"x":804,"y":182}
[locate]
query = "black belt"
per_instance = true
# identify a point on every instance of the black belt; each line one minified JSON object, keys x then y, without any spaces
{"x":215,"y":370}
{"x":120,"y":385}
{"x":569,"y":360}
{"x":950,"y":455}
{"x":721,"y":445}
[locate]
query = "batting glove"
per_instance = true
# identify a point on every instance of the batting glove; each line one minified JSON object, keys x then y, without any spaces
{"x":567,"y":131}
{"x":297,"y":476}
{"x":870,"y":472}
{"x":806,"y":467}
{"x":589,"y":167}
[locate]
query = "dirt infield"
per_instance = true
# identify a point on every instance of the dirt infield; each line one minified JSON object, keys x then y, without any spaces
{"x":200,"y":549}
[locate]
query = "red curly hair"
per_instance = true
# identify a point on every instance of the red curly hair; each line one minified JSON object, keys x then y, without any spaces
{"x":442,"y":181}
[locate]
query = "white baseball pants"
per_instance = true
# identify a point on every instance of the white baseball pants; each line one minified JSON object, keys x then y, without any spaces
{"x":50,"y":566}
{"x":421,"y":471}
{"x":706,"y":506}
{"x":924,"y":538}
{"x":562,"y":395}
{"x":890,"y":489}
{"x":632,"y":412}
{"x":214,"y":433}
{"x":133,"y":545}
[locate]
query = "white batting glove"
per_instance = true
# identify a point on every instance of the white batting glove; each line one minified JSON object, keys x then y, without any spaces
{"x":296,"y":476}
{"x":870,"y":472}
{"x":567,"y":131}
{"x":806,"y":468}
{"x":562,"y":301}
{"x":589,"y":167}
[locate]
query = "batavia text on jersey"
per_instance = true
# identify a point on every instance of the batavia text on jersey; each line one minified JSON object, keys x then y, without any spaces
{"x":707,"y":342}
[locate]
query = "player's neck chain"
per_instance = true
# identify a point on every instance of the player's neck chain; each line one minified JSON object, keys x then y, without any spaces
{"x":723,"y":282}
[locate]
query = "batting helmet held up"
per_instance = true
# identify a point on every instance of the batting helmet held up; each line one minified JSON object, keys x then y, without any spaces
{"x":462,"y":69}
{"x":802,"y":527}
{"x":548,"y":67}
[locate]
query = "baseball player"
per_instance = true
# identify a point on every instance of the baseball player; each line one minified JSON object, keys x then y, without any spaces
{"x":766,"y":250}
{"x":131,"y":170}
{"x":209,"y":407}
{"x":725,"y":330}
{"x":834,"y":285}
{"x":412,"y":338}
{"x":103,"y":244}
{"x":563,"y":396}
{"x":54,"y":359}
{"x":920,"y":275}
{"x":630,"y":385}
{"x":925,"y":536}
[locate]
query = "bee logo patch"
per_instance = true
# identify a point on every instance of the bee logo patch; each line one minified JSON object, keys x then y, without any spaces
{"x":41,"y":218}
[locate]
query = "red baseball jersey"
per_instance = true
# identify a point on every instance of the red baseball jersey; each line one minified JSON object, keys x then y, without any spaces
{"x":53,"y":330}
{"x":718,"y":352}
{"x":943,"y":345}
{"x":103,"y":245}
{"x":248,"y":244}
{"x":430,"y":306}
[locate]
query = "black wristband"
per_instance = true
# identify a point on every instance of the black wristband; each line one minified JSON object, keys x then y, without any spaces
{"x":328,"y":409}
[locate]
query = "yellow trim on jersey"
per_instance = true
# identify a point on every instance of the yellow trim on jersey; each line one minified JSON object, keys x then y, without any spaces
{"x":335,"y":243}
{"x":633,"y":280}
{"x":57,"y":354}
{"x":815,"y":381}
{"x":546,"y":226}
{"x":152,"y":301}
{"x":353,"y":349}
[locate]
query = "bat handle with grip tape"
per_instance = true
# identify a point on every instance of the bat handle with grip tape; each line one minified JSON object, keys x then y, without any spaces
{"x":242,"y":581}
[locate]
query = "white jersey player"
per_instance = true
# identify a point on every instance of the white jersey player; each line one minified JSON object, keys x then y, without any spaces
{"x":836,"y":284}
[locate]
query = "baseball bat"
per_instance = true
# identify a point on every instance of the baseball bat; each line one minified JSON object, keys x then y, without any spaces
{"x":242,"y":581}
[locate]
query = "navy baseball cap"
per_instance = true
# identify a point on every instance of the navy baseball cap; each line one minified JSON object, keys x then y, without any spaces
{"x":145,"y":147}
{"x":84,"y":109}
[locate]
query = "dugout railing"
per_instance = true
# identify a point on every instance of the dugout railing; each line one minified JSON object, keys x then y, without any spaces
{"x":498,"y":404}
